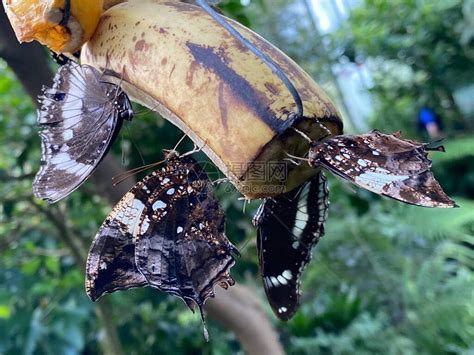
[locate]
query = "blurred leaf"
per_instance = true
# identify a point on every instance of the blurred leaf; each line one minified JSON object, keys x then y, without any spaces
{"x":31,"y":266}
{"x":4,"y":311}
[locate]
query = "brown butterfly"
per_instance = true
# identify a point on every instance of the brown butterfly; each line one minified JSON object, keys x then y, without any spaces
{"x":167,"y":232}
{"x":385,"y":164}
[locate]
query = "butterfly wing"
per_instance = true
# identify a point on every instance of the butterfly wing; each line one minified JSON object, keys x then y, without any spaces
{"x":111,"y":259}
{"x":288,"y":226}
{"x":79,"y":119}
{"x":384,"y":164}
{"x":181,"y":247}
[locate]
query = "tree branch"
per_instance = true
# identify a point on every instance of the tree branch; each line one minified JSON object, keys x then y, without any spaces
{"x":240,"y":310}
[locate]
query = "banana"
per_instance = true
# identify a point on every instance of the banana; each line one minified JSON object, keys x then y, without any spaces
{"x":43,"y":21}
{"x":176,"y":59}
{"x":172,"y":57}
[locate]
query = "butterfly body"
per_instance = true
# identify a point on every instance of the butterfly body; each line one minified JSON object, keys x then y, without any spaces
{"x":79,"y":118}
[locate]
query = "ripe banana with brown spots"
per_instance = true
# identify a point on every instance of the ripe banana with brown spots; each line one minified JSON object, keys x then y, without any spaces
{"x":61,"y":27}
{"x":174,"y":58}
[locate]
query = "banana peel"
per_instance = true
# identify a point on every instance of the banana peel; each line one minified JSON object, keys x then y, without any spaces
{"x":41,"y":20}
{"x":173,"y":58}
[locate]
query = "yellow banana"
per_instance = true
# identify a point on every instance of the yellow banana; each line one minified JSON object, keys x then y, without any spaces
{"x":174,"y":58}
{"x":41,"y":20}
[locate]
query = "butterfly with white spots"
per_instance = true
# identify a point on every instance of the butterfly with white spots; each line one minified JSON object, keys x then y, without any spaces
{"x":167,"y":232}
{"x":79,"y":118}
{"x":385,"y":164}
{"x":288,"y":226}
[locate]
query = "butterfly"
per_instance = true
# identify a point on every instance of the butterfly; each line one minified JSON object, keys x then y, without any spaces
{"x":385,"y":164}
{"x":288,"y":226}
{"x":167,"y":232}
{"x":79,"y":118}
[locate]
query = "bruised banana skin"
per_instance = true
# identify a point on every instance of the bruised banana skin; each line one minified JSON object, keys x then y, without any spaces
{"x":41,"y":20}
{"x":172,"y":57}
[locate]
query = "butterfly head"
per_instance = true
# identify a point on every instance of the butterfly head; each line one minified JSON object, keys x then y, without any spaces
{"x":315,"y":149}
{"x":170,"y":154}
{"x":124,"y":106}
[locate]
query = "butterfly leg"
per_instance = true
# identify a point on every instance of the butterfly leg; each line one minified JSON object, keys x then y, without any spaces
{"x":196,"y":149}
{"x":220,"y":181}
{"x":294,"y":157}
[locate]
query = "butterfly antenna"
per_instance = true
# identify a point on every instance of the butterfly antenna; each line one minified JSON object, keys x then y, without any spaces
{"x":137,"y":147}
{"x":123,"y":149}
{"x":264,"y":58}
{"x":148,"y":110}
{"x":119,"y":85}
{"x":244,"y":245}
{"x":129,"y":173}
{"x":121,"y":76}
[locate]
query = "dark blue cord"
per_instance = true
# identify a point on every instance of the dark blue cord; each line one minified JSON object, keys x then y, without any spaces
{"x":270,"y":63}
{"x":66,"y":13}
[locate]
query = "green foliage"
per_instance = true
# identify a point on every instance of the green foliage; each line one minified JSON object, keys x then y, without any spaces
{"x":234,"y":9}
{"x":421,"y":52}
{"x":386,"y":278}
{"x":286,"y":24}
{"x":368,"y":334}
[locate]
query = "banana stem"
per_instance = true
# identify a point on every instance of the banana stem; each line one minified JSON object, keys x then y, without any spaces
{"x":270,"y":63}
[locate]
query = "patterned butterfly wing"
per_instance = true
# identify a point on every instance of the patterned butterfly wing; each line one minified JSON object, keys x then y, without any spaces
{"x":384,"y":164}
{"x":79,"y":118}
{"x":111,"y":260}
{"x":181,"y":247}
{"x":288,"y":226}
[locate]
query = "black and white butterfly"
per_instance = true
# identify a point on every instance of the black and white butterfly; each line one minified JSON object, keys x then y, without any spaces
{"x":167,"y":232}
{"x":79,"y":118}
{"x":288,"y":226}
{"x":384,"y":164}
